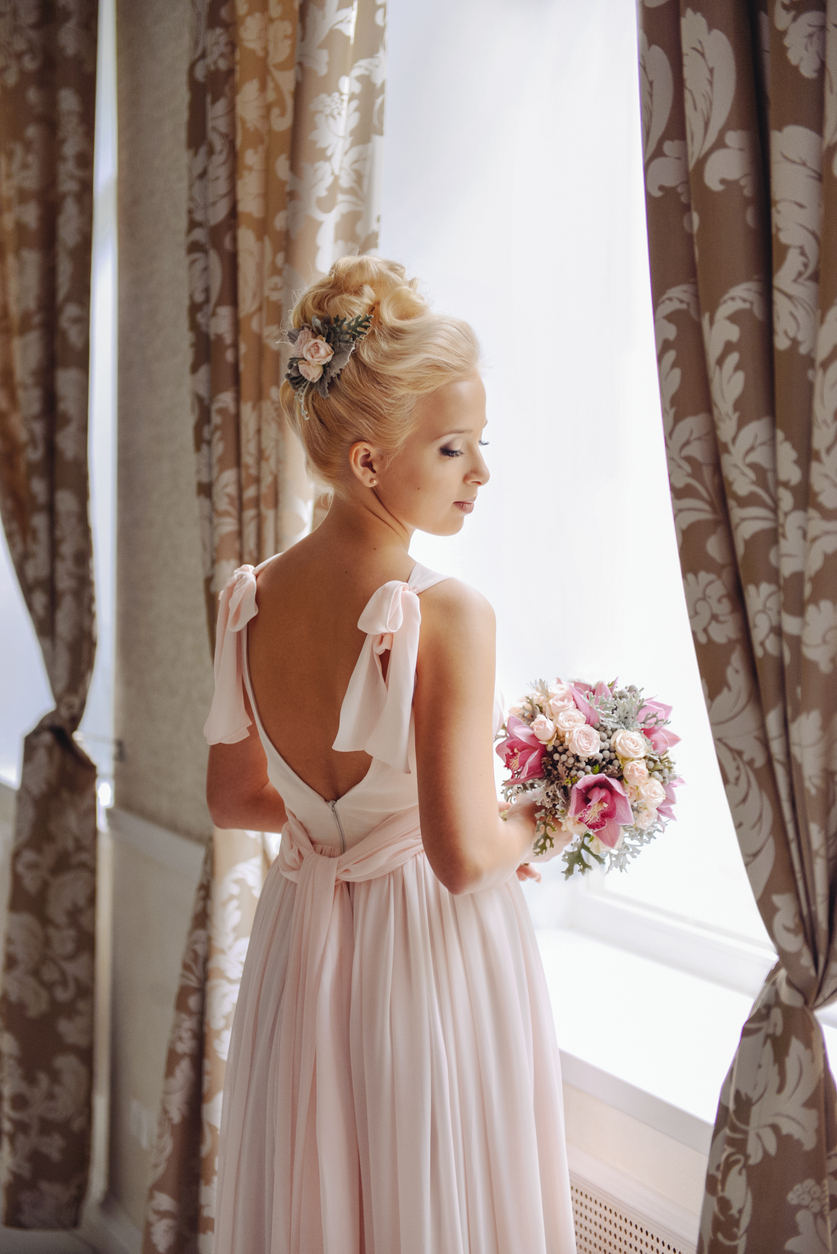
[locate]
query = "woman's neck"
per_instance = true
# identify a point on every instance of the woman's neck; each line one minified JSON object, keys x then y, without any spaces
{"x":364,"y":524}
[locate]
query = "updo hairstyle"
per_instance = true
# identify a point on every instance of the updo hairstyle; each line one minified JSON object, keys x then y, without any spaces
{"x":408,"y":352}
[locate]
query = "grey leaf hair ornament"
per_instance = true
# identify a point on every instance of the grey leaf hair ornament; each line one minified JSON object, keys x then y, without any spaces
{"x":322,"y":348}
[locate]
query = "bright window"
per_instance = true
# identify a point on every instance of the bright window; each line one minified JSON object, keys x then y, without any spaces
{"x":513,"y":188}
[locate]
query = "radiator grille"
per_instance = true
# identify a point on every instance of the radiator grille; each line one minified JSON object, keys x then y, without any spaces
{"x":603,"y":1227}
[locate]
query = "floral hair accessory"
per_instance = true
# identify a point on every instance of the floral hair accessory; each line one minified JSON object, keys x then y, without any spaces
{"x":321,"y":350}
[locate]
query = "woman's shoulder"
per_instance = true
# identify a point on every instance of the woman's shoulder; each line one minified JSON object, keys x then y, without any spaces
{"x":452,"y":605}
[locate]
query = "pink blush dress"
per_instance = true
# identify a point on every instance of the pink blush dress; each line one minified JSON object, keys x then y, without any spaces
{"x":393,"y":1081}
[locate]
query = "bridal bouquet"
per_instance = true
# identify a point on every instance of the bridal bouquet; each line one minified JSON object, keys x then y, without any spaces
{"x":598,"y":761}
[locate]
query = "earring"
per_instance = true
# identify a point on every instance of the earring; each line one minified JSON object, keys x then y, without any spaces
{"x":373,"y":483}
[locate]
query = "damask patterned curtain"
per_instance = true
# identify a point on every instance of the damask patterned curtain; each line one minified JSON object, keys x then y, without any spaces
{"x":47,"y":102}
{"x":285,"y":123}
{"x":739,"y":105}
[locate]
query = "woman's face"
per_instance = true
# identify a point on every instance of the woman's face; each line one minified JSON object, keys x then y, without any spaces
{"x":432,"y":482}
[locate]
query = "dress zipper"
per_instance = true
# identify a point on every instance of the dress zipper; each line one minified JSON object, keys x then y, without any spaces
{"x":333,"y":805}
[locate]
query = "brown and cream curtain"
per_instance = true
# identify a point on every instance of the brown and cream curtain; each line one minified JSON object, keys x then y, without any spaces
{"x":739,"y":108}
{"x":47,"y":102}
{"x":285,"y":125}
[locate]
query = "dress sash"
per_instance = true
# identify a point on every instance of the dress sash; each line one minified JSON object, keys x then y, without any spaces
{"x":316,"y":1123}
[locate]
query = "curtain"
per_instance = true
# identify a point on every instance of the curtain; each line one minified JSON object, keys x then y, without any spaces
{"x":47,"y":102}
{"x":285,"y":125}
{"x":739,"y":107}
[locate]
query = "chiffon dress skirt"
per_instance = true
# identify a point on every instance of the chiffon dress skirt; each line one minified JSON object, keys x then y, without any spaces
{"x":393,"y":1082}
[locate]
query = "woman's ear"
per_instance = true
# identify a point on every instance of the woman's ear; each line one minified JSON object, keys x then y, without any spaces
{"x":366,"y":462}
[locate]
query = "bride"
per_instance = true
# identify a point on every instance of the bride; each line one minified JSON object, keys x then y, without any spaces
{"x":393,"y":1082}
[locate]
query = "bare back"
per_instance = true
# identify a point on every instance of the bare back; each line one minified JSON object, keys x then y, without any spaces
{"x":303,"y":646}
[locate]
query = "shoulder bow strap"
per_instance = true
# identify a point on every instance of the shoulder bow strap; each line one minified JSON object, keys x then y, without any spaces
{"x":376,"y":713}
{"x":228,"y":720}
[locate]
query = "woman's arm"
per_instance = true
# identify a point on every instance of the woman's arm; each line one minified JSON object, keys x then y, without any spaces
{"x":238,"y":792}
{"x":468,"y":845}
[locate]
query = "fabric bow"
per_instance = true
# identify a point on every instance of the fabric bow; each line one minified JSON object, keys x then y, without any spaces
{"x":228,"y":720}
{"x":374,"y":717}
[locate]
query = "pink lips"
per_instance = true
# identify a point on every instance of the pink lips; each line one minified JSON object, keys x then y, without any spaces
{"x":467,"y":507}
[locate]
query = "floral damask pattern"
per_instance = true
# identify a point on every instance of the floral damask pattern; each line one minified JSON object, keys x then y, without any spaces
{"x":47,"y":97}
{"x":285,"y":126}
{"x":739,"y":108}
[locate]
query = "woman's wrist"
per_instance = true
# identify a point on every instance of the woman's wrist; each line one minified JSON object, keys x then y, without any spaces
{"x":522,"y":826}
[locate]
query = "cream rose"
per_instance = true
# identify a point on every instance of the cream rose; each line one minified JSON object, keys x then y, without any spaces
{"x":310,"y":370}
{"x":305,"y":336}
{"x":543,"y":727}
{"x":583,"y":741}
{"x":629,"y":744}
{"x":566,"y":720}
{"x":635,"y":771}
{"x":560,"y":698}
{"x":575,"y":826}
{"x":653,"y":793}
{"x":645,"y":818}
{"x":316,"y":350}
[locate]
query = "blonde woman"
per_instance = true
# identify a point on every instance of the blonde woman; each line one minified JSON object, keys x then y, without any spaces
{"x":393,"y":1081}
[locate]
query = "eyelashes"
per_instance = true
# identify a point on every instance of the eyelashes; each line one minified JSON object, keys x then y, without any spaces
{"x":457,"y":452}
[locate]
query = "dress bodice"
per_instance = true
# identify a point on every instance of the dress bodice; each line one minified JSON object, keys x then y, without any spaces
{"x":376,"y":715}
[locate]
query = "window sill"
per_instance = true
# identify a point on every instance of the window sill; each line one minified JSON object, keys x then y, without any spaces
{"x":647,"y":1038}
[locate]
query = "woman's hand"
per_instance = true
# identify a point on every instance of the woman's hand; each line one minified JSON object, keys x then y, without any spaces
{"x":525,"y":871}
{"x":527,"y":810}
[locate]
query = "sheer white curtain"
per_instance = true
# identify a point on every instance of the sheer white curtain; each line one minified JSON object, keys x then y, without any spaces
{"x":513,"y":188}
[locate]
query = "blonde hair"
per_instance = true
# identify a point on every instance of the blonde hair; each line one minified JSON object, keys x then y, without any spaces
{"x":409,"y":352}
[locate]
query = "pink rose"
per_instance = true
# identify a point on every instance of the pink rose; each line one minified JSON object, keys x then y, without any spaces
{"x":566,"y":720}
{"x":521,"y":751}
{"x":543,"y":727}
{"x":629,"y":744}
{"x":602,"y":805}
{"x":309,"y":370}
{"x":583,"y":741}
{"x":316,"y":350}
{"x":661,"y":739}
{"x":635,"y":771}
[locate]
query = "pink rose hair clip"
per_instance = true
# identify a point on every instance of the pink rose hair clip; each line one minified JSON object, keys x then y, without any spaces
{"x":321,"y":350}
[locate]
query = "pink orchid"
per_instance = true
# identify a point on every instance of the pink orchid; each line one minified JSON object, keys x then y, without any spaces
{"x":651,"y":717}
{"x":602,"y":805}
{"x":521,"y":751}
{"x":661,"y":738}
{"x":581,"y":692}
{"x":654,"y":712}
{"x":665,"y":810}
